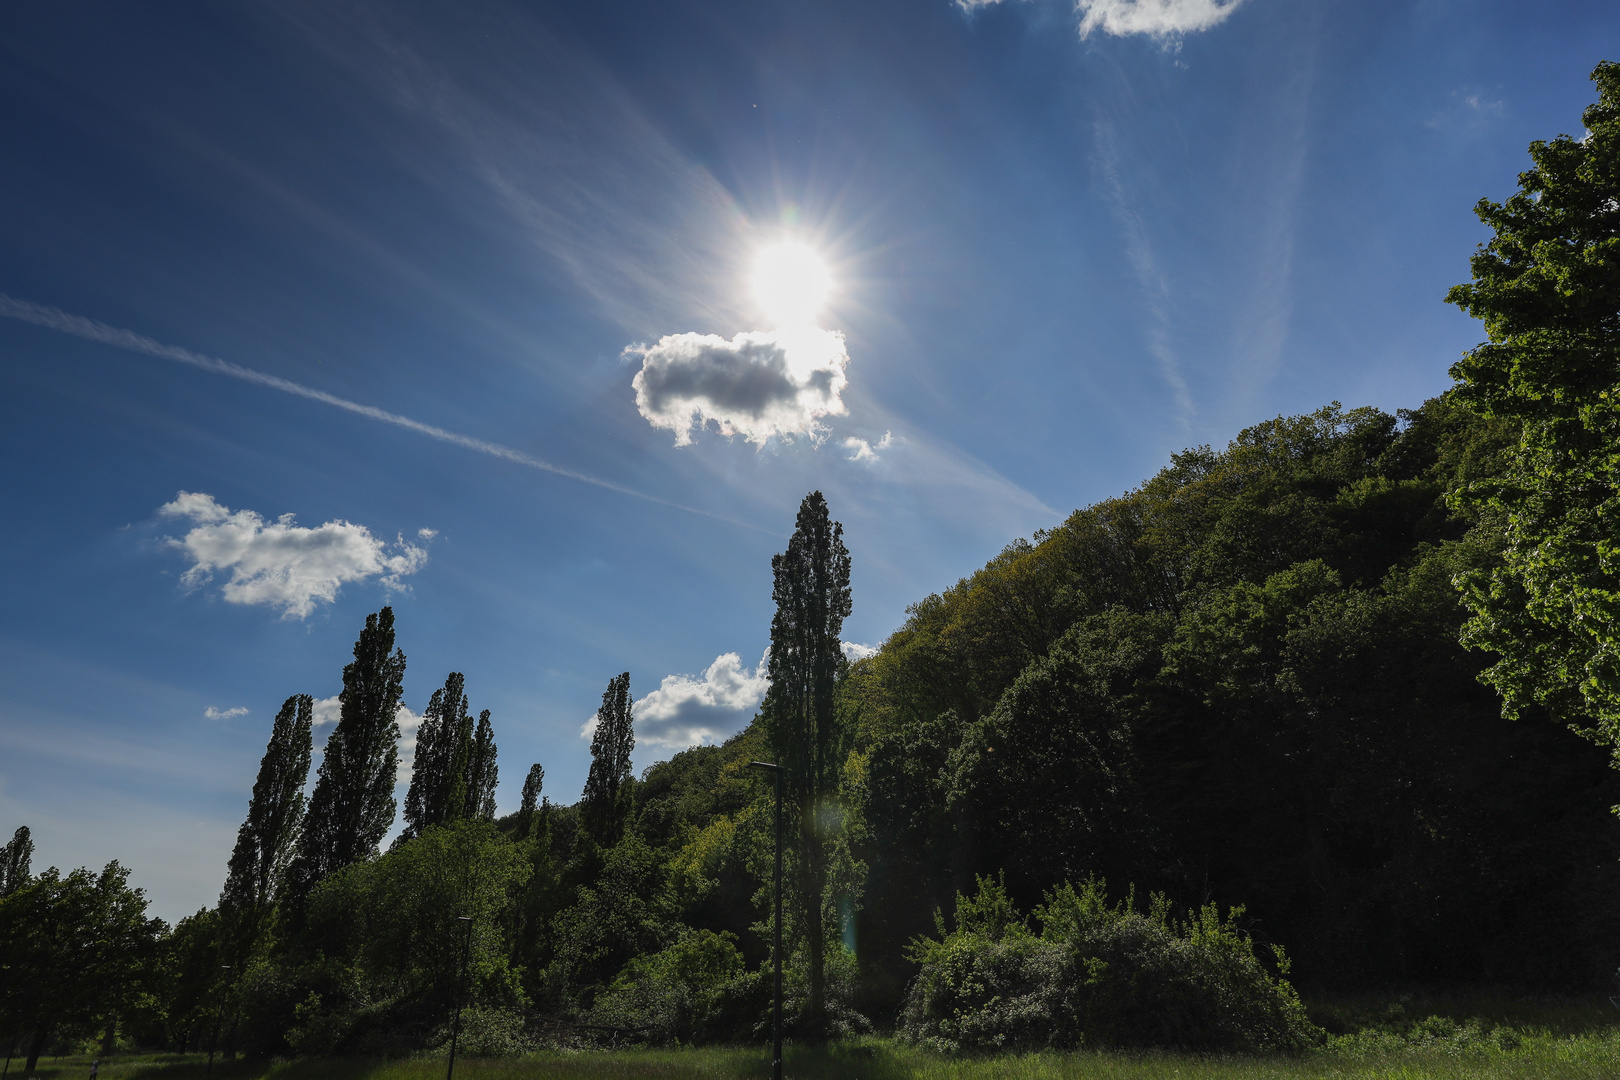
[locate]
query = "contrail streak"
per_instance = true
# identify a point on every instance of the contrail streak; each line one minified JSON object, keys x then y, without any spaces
{"x":90,"y":330}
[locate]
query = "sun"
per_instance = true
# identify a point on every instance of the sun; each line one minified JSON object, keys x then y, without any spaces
{"x":791,"y":283}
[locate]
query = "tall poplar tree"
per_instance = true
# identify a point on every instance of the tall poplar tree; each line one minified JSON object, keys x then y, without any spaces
{"x":482,"y":775}
{"x":432,"y":768}
{"x":16,"y":858}
{"x":268,"y":838}
{"x":528,"y":809}
{"x":352,"y":805}
{"x":811,"y":590}
{"x":607,"y":787}
{"x":453,"y":774}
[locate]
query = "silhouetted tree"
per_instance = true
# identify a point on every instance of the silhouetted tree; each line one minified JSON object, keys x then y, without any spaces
{"x":482,"y":775}
{"x":353,"y":802}
{"x":268,"y":838}
{"x":434,"y":768}
{"x":15,"y":859}
{"x":812,"y":597}
{"x":605,"y":804}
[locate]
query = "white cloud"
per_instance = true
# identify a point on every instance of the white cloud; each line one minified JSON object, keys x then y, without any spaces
{"x":409,"y":723}
{"x":280,"y":564}
{"x":861,"y":450}
{"x":854,"y":650}
{"x":761,"y":383}
{"x":1157,"y":18}
{"x":225,"y":714}
{"x":328,"y":710}
{"x":688,"y":710}
{"x":427,"y":534}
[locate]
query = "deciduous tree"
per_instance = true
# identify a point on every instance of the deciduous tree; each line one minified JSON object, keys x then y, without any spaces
{"x":1547,"y":287}
{"x":605,"y":806}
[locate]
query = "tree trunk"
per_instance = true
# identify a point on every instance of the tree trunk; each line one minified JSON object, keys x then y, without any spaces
{"x":36,"y":1048}
{"x":109,"y":1038}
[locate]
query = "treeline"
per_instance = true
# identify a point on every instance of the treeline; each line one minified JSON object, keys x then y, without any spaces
{"x":1240,"y":682}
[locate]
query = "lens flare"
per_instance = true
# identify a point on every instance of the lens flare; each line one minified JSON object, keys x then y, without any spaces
{"x":791,"y":283}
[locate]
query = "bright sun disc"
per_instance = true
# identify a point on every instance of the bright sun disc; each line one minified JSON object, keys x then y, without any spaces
{"x":791,"y":283}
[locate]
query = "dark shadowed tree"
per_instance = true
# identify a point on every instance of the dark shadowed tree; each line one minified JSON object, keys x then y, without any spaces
{"x":482,"y":774}
{"x":605,"y":805}
{"x":15,"y":859}
{"x":812,"y":597}
{"x":433,"y":769}
{"x":267,"y":839}
{"x":529,"y":807}
{"x":352,"y":805}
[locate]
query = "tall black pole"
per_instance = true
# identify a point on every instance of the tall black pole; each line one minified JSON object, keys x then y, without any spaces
{"x":461,"y":996}
{"x":776,"y":1014}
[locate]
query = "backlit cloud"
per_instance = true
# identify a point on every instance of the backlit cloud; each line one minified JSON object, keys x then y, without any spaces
{"x":760,"y":384}
{"x":281,"y":564}
{"x":1156,"y":18}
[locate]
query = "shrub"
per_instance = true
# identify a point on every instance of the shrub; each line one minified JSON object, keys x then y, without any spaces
{"x":1098,"y":975}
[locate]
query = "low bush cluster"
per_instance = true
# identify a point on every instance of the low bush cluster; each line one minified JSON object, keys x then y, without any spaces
{"x":1099,"y":975}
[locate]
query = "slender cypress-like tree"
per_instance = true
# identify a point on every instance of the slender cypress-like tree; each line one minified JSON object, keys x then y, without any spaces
{"x":352,"y":805}
{"x":527,"y":809}
{"x":16,"y":858}
{"x":432,"y":768}
{"x":266,"y":841}
{"x":811,"y":590}
{"x":608,"y":784}
{"x":482,"y":774}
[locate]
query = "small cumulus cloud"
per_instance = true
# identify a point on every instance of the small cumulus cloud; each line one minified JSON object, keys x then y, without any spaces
{"x":861,"y":450}
{"x":225,"y":714}
{"x":427,"y":534}
{"x":689,"y":710}
{"x":760,"y":384}
{"x":281,"y":564}
{"x":1155,"y":18}
{"x":854,"y":650}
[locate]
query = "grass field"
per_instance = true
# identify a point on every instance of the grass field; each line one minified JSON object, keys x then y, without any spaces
{"x":1438,"y":1038}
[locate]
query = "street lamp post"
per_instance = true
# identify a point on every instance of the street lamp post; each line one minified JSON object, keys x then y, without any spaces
{"x":776,"y":1014}
{"x":461,"y":995}
{"x":214,"y":1044}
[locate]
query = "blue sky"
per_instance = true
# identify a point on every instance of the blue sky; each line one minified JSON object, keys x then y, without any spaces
{"x":467,"y":291}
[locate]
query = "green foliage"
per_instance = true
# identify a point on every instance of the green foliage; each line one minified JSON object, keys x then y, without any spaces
{"x":1099,"y":974}
{"x":1547,"y":287}
{"x":1244,"y":677}
{"x":74,"y":950}
{"x":693,"y":990}
{"x":385,"y":946}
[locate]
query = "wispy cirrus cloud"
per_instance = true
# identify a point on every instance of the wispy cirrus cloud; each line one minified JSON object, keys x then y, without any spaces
{"x":92,"y":330}
{"x":761,"y":384}
{"x":1153,"y":18}
{"x":279,"y":563}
